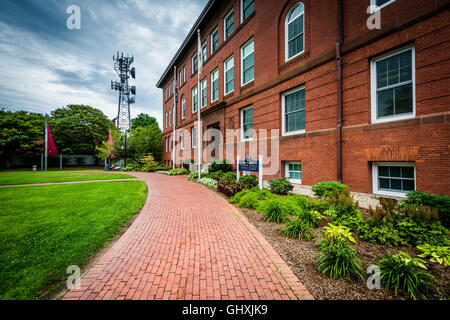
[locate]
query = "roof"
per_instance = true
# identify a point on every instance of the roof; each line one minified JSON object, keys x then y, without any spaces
{"x":191,"y":37}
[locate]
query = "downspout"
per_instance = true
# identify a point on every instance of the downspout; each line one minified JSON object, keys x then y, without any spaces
{"x":339,"y":83}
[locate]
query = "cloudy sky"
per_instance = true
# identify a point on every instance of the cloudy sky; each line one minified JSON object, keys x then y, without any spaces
{"x":45,"y":65}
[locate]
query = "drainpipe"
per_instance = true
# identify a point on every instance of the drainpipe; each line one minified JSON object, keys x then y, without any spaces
{"x":339,"y":82}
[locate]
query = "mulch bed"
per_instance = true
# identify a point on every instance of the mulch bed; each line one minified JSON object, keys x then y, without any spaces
{"x":302,"y":255}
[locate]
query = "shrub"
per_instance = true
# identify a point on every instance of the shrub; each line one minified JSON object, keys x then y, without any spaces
{"x":148,"y":163}
{"x":434,"y":201}
{"x":299,"y":228}
{"x":274,"y":210}
{"x":382,"y":232}
{"x":317,"y":205}
{"x":400,"y":271}
{"x":229,"y":175}
{"x":310,"y":216}
{"x":178,"y":172}
{"x":383,"y":212}
{"x":213,"y":175}
{"x":342,"y":202}
{"x":192,"y":176}
{"x":210,"y":183}
{"x":132,"y":167}
{"x":280,"y":186}
{"x":286,"y":205}
{"x":217,"y":166}
{"x":229,"y":187}
{"x":419,"y":213}
{"x":249,"y":181}
{"x":323,"y":189}
{"x":335,"y":234}
{"x":251,"y":198}
{"x":301,"y":201}
{"x":436,"y":254}
{"x":339,"y":261}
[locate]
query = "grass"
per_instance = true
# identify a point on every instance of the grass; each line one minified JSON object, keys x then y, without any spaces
{"x":45,"y":229}
{"x":19,"y":177}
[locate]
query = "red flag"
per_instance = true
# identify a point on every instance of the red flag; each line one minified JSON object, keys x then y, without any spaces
{"x":110,"y":140}
{"x":52,"y":151}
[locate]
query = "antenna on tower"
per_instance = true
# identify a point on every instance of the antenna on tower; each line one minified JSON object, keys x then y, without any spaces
{"x":126,"y":93}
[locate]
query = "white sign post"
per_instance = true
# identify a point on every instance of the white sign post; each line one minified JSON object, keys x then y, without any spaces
{"x":237,"y":169}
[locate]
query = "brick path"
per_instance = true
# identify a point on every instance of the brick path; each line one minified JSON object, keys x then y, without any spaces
{"x":189,"y":243}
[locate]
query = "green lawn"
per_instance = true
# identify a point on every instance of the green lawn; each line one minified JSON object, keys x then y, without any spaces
{"x":45,"y":229}
{"x":10,"y":178}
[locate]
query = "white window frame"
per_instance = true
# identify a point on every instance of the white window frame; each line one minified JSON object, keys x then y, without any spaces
{"x":194,"y":57}
{"x":242,"y":61}
{"x":204,"y":81}
{"x":167,"y":119}
{"x":225,"y":75}
{"x":204,"y":50}
{"x":375,"y":188}
{"x":194,"y":137}
{"x":183,"y":107}
{"x":182,"y":140}
{"x":225,"y":24}
{"x":212,"y":82}
{"x":211,"y":39}
{"x":184,"y":74}
{"x":242,"y":123}
{"x":181,"y":80}
{"x":374,"y":7}
{"x":283,"y":112}
{"x":170,"y":116}
{"x":194,"y":100}
{"x":286,"y":33}
{"x":373,"y":86}
{"x":166,"y":143}
{"x":242,"y":10}
{"x":286,"y":171}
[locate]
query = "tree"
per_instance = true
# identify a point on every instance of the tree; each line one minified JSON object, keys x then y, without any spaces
{"x":145,"y":140}
{"x":20,"y":133}
{"x":79,"y":129}
{"x":143,"y":120}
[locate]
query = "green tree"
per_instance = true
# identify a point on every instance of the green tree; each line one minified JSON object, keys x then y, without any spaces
{"x":20,"y":133}
{"x":143,"y":120}
{"x":79,"y":129}
{"x":145,"y":140}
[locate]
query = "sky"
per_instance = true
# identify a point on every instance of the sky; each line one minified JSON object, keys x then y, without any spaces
{"x":45,"y":65}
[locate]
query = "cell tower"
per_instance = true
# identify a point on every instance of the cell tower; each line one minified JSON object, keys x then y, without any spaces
{"x":127,"y":94}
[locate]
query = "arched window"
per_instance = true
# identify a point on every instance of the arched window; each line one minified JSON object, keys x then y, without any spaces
{"x":295,"y":31}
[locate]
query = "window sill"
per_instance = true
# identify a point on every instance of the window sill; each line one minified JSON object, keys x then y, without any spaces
{"x":293,"y":133}
{"x":390,"y":194}
{"x":394,"y":118}
{"x":247,"y":85}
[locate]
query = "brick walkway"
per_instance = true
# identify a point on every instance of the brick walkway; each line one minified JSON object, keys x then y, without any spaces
{"x":189,"y":243}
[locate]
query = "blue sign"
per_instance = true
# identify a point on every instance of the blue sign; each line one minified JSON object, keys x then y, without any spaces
{"x":248,"y":165}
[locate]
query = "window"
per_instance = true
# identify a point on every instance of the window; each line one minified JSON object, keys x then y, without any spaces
{"x":228,"y":24}
{"x":183,"y":107}
{"x":215,"y":85}
{"x":293,"y":111}
{"x":166,"y":143}
{"x":247,"y":8}
{"x":393,"y":178}
{"x":379,"y":4}
{"x":194,"y":99}
{"x":247,"y":123}
{"x":293,"y":172}
{"x":204,"y":52}
{"x":194,"y":63}
{"x":170,"y":117}
{"x":203,"y":92}
{"x":165,"y":92}
{"x":393,"y":86}
{"x":194,"y":137}
{"x":214,"y":40}
{"x":182,"y":140}
{"x":167,"y":120}
{"x":228,"y":75}
{"x":294,"y":31}
{"x":181,"y":82}
{"x":184,"y":74}
{"x":247,"y":62}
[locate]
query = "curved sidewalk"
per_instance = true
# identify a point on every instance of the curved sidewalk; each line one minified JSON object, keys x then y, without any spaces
{"x":189,"y":243}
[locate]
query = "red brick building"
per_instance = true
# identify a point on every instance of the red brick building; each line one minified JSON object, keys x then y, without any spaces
{"x":368,"y":106}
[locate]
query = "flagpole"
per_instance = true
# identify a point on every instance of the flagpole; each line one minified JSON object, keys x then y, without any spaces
{"x":175,"y":93}
{"x":199,"y":125}
{"x":46,"y":142}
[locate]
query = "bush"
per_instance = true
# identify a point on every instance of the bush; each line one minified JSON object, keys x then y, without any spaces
{"x":132,"y":167}
{"x":339,"y":261}
{"x":286,"y":205}
{"x":275,"y":210}
{"x":324,"y":189}
{"x":434,"y":201}
{"x":229,"y":187}
{"x":249,"y":181}
{"x":400,"y":271}
{"x":223,"y":166}
{"x":251,"y":198}
{"x":317,"y":205}
{"x":436,"y":254}
{"x":335,"y":234}
{"x":301,"y":201}
{"x":192,"y":176}
{"x":280,"y":186}
{"x":310,"y":216}
{"x":178,"y":172}
{"x":148,"y":163}
{"x":210,"y":183}
{"x":299,"y":228}
{"x":229,"y":175}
